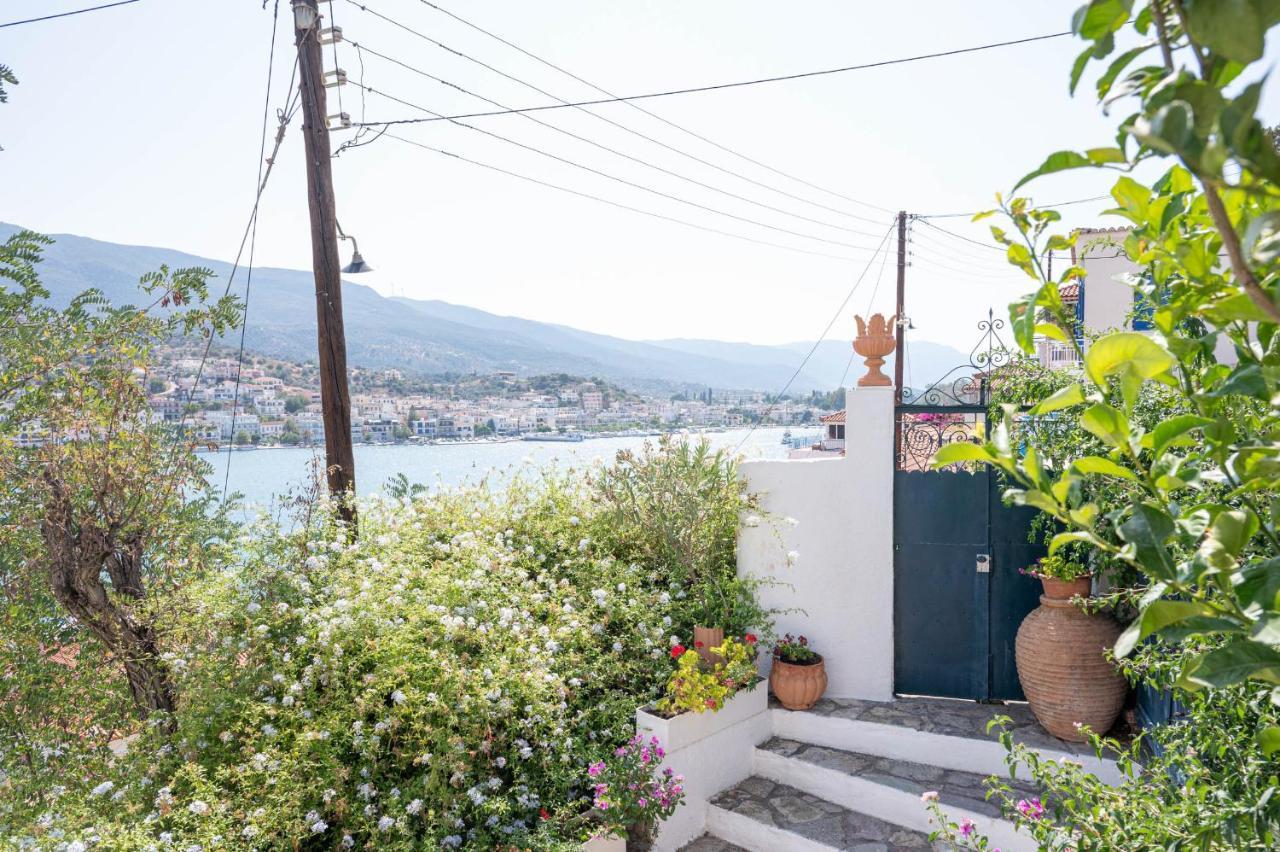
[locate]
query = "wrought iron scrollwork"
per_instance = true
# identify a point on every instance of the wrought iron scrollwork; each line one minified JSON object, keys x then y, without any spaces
{"x":966,"y":384}
{"x":921,"y":434}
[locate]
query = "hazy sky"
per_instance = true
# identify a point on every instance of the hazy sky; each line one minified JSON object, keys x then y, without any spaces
{"x":141,"y":124}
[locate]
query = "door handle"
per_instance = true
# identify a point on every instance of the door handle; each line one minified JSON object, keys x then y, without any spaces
{"x":983,"y":563}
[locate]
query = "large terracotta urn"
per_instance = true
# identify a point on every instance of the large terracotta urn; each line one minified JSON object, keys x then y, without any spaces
{"x":1061,"y":660}
{"x":798,"y":686}
{"x":876,"y":340}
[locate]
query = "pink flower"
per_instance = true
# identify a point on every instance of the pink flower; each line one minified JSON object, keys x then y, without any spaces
{"x":1031,"y":809}
{"x":595,"y":769}
{"x":929,"y":796}
{"x":966,"y":827}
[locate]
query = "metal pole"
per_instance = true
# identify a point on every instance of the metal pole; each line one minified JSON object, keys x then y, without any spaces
{"x":335,"y":398}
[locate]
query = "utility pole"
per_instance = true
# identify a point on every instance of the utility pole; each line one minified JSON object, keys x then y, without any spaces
{"x":335,"y":398}
{"x":900,"y":311}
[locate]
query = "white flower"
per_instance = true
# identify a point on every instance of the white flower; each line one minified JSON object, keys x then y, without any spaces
{"x":413,"y":807}
{"x":198,"y":808}
{"x":398,"y":697}
{"x":319,"y":827}
{"x":793,"y":557}
{"x":386,"y":823}
{"x":348,"y":841}
{"x":617,"y":647}
{"x":103,"y":788}
{"x":752,"y":520}
{"x":76,"y":846}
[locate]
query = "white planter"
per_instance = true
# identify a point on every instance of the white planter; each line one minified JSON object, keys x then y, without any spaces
{"x":712,"y":750}
{"x":683,"y":730}
{"x":605,"y":844}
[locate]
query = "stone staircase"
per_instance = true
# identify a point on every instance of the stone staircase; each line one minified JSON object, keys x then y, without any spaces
{"x":848,"y":775}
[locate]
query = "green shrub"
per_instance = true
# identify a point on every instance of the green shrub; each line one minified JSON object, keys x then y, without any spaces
{"x":443,"y":681}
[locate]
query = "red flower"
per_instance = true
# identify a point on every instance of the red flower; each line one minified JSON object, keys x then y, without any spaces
{"x":751,"y":638}
{"x":697,"y":644}
{"x":677,"y":651}
{"x":544,"y":813}
{"x":711,"y":702}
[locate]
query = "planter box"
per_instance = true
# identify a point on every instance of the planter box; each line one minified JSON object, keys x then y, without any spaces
{"x":605,"y":844}
{"x":683,"y":730}
{"x":712,"y":751}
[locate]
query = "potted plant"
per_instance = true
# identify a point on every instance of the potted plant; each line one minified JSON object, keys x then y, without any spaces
{"x":697,"y":686}
{"x":799,"y":675}
{"x":631,"y":795}
{"x":1060,"y":653}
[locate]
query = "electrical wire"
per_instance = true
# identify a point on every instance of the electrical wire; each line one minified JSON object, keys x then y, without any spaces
{"x":66,"y":14}
{"x":814,"y":348}
{"x":621,"y":180}
{"x":978,"y":243}
{"x":957,"y":251}
{"x":618,"y":204}
{"x":620,"y":125}
{"x":719,"y":86}
{"x":253,"y":239}
{"x":970,"y":214}
{"x":614,"y":151}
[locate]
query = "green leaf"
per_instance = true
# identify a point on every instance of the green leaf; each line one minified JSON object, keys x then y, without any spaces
{"x":1246,"y":380}
{"x":1261,"y":239}
{"x":1119,"y":64}
{"x":1099,"y":18}
{"x":1107,"y":423}
{"x":1061,"y":540}
{"x":1240,"y":660}
{"x":1104,"y":466}
{"x":1057,"y":162}
{"x":1169,"y":430}
{"x":1072,"y":394}
{"x":961,"y":451}
{"x":1269,"y":740}
{"x":1051,"y":330}
{"x":1231,"y":28}
{"x":1146,"y":531}
{"x":1126,"y":350}
{"x":1157,"y":616}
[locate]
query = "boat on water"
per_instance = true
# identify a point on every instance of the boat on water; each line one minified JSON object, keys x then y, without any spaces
{"x":786,"y":437}
{"x":554,"y":436}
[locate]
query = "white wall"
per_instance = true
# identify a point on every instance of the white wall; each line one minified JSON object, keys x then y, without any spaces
{"x":843,"y":578}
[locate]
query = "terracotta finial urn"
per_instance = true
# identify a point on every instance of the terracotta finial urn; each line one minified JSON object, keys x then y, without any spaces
{"x":875,"y":340}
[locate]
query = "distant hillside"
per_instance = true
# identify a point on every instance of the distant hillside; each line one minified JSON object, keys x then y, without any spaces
{"x":432,"y":337}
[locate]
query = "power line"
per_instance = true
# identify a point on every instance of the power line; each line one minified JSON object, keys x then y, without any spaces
{"x":970,"y":214}
{"x":67,"y":14}
{"x":253,"y":236}
{"x":638,"y":108}
{"x":621,"y":180}
{"x":821,"y":337}
{"x":719,"y":86}
{"x":978,"y":243}
{"x":617,"y":204}
{"x":610,"y":150}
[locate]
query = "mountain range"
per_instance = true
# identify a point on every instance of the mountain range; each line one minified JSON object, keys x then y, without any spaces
{"x":433,"y":337}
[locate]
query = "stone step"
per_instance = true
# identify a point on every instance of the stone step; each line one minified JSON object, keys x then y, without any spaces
{"x":937,"y":732}
{"x":710,"y":843}
{"x":888,"y":789}
{"x":760,"y":815}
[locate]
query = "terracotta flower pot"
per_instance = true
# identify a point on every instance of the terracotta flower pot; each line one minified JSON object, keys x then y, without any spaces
{"x":1067,"y":589}
{"x":876,"y":339}
{"x":1060,"y":656}
{"x":798,"y":687}
{"x":706,"y":638}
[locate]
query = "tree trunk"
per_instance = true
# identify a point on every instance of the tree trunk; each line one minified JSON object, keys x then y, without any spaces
{"x":79,"y":552}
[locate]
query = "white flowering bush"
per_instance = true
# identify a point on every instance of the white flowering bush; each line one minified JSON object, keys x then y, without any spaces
{"x":442,"y":682}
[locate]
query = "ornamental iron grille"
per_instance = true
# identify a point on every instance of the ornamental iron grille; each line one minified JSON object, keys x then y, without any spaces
{"x":953,"y":407}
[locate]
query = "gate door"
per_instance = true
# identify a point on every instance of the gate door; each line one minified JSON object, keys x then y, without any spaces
{"x":958,"y":596}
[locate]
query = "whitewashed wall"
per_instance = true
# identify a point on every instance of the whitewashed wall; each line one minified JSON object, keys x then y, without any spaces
{"x":843,"y":576}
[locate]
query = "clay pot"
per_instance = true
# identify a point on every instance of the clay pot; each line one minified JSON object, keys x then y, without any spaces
{"x":706,"y":638}
{"x":798,"y":687}
{"x":1061,"y":663}
{"x":1067,"y":589}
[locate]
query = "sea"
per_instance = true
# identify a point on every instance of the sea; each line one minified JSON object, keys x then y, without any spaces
{"x":264,"y":477}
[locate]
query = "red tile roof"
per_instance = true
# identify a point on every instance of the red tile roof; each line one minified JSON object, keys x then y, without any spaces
{"x":837,"y":417}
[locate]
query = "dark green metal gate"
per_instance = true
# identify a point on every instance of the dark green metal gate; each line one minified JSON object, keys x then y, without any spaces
{"x":959,"y":595}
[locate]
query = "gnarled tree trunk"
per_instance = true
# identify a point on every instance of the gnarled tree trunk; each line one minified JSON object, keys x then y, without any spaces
{"x":79,"y":552}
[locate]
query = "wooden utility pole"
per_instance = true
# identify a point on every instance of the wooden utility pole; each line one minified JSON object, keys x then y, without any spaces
{"x":335,"y":398}
{"x":900,"y":311}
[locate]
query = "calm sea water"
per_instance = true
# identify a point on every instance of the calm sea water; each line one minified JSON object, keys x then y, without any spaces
{"x":263,"y":475}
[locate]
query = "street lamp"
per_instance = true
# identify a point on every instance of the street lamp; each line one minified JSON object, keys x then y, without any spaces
{"x":357,"y":264}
